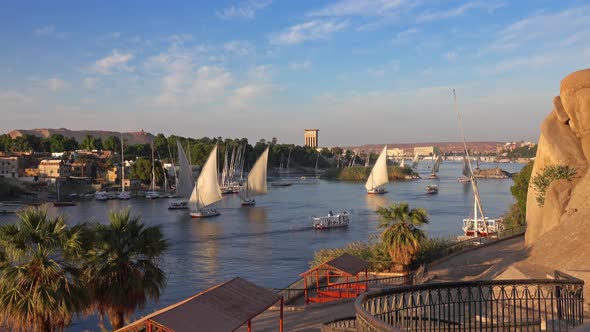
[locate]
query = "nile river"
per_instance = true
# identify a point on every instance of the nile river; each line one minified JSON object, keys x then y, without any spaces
{"x":271,"y":244}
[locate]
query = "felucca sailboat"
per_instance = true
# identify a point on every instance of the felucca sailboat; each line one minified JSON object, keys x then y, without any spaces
{"x":184,"y":181}
{"x":435,"y":168}
{"x":123,"y":195}
{"x":378,"y":176}
{"x":206,"y":190}
{"x":479,"y":224}
{"x":256,"y":182}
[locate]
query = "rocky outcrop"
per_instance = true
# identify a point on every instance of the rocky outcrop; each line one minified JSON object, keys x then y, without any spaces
{"x":491,"y":173}
{"x":564,"y":140}
{"x":139,"y":137}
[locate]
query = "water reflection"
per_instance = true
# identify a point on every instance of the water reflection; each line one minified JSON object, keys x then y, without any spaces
{"x":376,"y":201}
{"x":207,"y":231}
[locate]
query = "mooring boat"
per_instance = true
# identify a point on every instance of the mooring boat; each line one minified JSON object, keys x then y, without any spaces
{"x":255,"y":182}
{"x":206,"y":190}
{"x":431,"y":189}
{"x":378,"y":176}
{"x":334,"y":221}
{"x":101,"y":196}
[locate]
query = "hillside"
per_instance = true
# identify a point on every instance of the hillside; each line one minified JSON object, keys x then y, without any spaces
{"x":139,"y":137}
{"x":445,"y":147}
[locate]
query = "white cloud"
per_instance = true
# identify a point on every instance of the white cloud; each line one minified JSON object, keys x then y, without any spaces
{"x":245,"y":10}
{"x":244,"y":96}
{"x":565,"y":29}
{"x":573,"y":57}
{"x":430,"y":16}
{"x":311,"y":30}
{"x":209,"y":83}
{"x":451,"y":55}
{"x":404,"y":36}
{"x":391,"y":66}
{"x":113,"y":63}
{"x":90,"y":82}
{"x":361,"y":8}
{"x":55,"y":84}
{"x":11,"y":98}
{"x":49,"y":31}
{"x":300,"y":65}
{"x":241,"y":48}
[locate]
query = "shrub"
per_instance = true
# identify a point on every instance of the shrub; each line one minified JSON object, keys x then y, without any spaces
{"x":549,"y":174}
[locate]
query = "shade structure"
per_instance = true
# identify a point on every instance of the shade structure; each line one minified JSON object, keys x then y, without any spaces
{"x":221,"y":308}
{"x":346,"y":264}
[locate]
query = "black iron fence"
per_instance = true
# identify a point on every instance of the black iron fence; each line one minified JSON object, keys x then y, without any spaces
{"x":502,"y":305}
{"x":347,"y":324}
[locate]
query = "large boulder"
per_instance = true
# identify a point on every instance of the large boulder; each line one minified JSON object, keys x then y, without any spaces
{"x":564,"y":140}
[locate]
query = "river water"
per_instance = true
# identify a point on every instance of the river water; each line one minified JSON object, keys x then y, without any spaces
{"x":271,"y":244}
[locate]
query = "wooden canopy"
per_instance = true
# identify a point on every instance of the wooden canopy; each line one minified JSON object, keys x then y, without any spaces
{"x":347,"y":265}
{"x":221,"y":308}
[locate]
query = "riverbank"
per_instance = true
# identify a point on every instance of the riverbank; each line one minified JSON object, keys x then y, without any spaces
{"x":361,"y":173}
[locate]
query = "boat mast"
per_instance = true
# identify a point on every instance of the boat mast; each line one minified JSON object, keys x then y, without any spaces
{"x":122,"y":166}
{"x":153,"y":170}
{"x":477,"y":202}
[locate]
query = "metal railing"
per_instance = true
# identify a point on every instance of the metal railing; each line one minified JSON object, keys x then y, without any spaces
{"x":347,"y":324}
{"x":296,"y":290}
{"x":519,"y":305}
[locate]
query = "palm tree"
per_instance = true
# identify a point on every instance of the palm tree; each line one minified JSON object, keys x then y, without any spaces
{"x":39,"y":274}
{"x":401,"y":235}
{"x":124,"y":270}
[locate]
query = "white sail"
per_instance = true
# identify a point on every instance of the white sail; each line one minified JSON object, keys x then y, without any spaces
{"x":402,"y":164}
{"x":378,"y":176}
{"x":466,"y":168}
{"x":415,"y":161}
{"x":436,"y":165}
{"x":256,"y":182}
{"x":206,"y":191}
{"x":185,"y":181}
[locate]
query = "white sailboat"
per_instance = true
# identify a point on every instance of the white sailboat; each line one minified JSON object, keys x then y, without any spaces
{"x":378,"y":176}
{"x":184,"y":181}
{"x":256,"y":181}
{"x":435,"y":168}
{"x":479,"y":224}
{"x":206,"y":190}
{"x":402,"y":164}
{"x":466,"y":171}
{"x":152,"y":193}
{"x":123,"y":195}
{"x":415,"y":161}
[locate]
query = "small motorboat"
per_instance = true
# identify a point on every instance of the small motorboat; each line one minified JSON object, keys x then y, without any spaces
{"x":101,"y":196}
{"x":123,"y":196}
{"x":178,"y":205}
{"x":431,"y":189}
{"x":463,"y":179}
{"x":331,"y":221}
{"x":152,"y":194}
{"x":248,"y":202}
{"x":64,"y":203}
{"x":281,"y":183}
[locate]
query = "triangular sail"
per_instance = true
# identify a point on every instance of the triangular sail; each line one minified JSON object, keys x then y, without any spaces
{"x":415,"y":161}
{"x":436,"y":165}
{"x":403,"y":163}
{"x":256,"y":182}
{"x":206,"y":191}
{"x":185,"y":181}
{"x":466,"y":168}
{"x":378,"y":176}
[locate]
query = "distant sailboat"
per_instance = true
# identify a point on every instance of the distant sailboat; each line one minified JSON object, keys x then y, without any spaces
{"x":415,"y":161}
{"x":435,"y":167}
{"x":402,"y":164}
{"x":123,"y":195}
{"x":206,"y":190}
{"x":378,"y":176}
{"x":184,"y":181}
{"x":152,"y":193}
{"x":256,"y":182}
{"x":466,"y":171}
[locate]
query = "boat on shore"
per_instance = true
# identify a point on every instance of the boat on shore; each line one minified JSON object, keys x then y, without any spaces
{"x":255,"y":182}
{"x":431,"y":189}
{"x":339,"y":220}
{"x":206,"y":190}
{"x":379,"y":175}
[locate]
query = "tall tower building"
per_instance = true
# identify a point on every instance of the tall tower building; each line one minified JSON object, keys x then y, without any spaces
{"x":311,"y":138}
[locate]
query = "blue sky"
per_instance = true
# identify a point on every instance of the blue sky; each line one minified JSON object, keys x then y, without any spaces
{"x":363,"y":71}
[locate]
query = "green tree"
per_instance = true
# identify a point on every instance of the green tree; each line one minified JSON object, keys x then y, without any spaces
{"x":519,"y":190}
{"x":27,"y":143}
{"x":87,"y":143}
{"x":57,"y":143}
{"x":124,"y":271}
{"x":112,"y":143}
{"x":97,"y":144}
{"x":70,"y":144}
{"x":402,"y":236}
{"x":142,"y":169}
{"x":5,"y":143}
{"x":40,"y":286}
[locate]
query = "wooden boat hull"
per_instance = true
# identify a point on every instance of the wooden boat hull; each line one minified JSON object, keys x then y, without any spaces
{"x":248,"y":202}
{"x":64,"y":203}
{"x":204,"y":214}
{"x":178,"y":206}
{"x":377,"y":192}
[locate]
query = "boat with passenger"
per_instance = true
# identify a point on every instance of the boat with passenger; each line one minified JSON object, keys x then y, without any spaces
{"x":431,"y":189}
{"x":341,"y":219}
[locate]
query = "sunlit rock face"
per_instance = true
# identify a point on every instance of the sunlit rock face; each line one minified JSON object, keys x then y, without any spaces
{"x":564,"y":140}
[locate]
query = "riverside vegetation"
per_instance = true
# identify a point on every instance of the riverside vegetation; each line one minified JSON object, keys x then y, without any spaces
{"x":51,"y":272}
{"x":361,"y":173}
